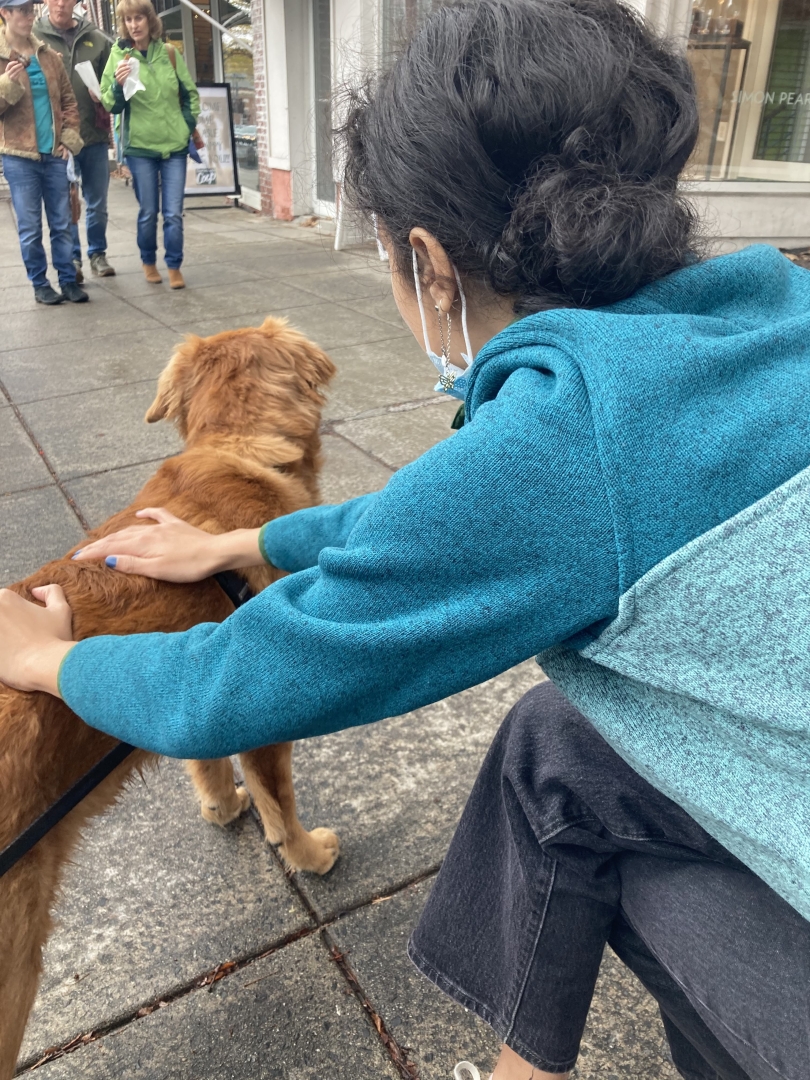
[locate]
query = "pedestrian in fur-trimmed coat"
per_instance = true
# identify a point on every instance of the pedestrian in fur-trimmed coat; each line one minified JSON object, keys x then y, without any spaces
{"x":39,"y":129}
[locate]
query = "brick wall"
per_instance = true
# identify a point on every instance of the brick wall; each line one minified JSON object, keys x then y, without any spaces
{"x":260,"y":84}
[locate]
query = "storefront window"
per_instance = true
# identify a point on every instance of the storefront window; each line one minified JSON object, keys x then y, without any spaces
{"x":399,"y":20}
{"x":751,"y":60}
{"x":237,"y":68}
{"x":173,"y":28}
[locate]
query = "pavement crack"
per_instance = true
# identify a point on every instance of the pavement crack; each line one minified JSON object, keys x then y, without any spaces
{"x":74,"y":506}
{"x":382,"y":410}
{"x":398,"y":1054}
{"x":368,"y":453}
{"x":317,"y":925}
{"x":201,"y":982}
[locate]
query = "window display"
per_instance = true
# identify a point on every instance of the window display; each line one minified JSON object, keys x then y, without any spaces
{"x":751,"y":60}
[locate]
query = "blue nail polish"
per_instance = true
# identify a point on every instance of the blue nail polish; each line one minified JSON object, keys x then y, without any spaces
{"x":111,"y":560}
{"x":76,"y":553}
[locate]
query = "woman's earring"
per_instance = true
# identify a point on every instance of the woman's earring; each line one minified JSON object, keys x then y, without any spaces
{"x":447,"y":379}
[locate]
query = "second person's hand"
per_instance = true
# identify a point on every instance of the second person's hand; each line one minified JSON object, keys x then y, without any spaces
{"x":14,"y":69}
{"x":173,"y":550}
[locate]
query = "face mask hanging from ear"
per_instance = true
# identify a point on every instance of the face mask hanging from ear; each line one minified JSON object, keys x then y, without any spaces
{"x":453,"y":380}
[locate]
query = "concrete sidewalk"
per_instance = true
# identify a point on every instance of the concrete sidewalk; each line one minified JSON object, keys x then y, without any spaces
{"x":183,"y":950}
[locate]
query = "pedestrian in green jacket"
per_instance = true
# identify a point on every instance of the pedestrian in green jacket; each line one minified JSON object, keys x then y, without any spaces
{"x":157,"y":120}
{"x":77,"y":41}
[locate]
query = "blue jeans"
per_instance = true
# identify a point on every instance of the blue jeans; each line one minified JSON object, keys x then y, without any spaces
{"x":94,"y":166}
{"x":563,"y":849}
{"x":150,"y":177}
{"x":33,"y":183}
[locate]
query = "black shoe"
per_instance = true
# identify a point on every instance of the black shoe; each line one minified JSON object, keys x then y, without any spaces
{"x":74,"y":293}
{"x":44,"y":294}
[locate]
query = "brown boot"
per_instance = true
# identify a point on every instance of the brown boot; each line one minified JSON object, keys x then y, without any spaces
{"x":176,"y":279}
{"x":150,"y":272}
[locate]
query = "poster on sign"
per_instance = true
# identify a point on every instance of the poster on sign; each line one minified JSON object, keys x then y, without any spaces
{"x":216,"y":171}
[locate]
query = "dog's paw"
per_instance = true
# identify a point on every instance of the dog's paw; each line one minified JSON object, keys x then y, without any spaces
{"x":227,"y":810}
{"x":329,"y":844}
{"x":317,"y":853}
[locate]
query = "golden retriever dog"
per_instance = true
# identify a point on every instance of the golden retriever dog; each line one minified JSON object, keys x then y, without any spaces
{"x":247,"y":404}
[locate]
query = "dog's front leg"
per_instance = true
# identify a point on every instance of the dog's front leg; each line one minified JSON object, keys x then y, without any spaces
{"x":220,"y":800}
{"x":268,"y":775}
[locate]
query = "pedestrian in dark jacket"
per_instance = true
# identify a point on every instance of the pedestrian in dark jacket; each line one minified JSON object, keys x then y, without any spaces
{"x":39,"y":129}
{"x":78,"y":41}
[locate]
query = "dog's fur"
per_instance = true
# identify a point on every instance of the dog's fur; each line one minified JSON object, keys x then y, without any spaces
{"x":247,"y":404}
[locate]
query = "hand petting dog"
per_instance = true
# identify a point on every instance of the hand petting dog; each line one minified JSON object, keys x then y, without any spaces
{"x":34,"y":639}
{"x":173,"y":550}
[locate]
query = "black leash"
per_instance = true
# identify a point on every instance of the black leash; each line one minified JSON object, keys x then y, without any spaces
{"x":235,"y":588}
{"x":62,"y":807}
{"x":238,"y":592}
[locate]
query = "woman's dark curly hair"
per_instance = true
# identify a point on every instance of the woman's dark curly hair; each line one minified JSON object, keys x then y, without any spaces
{"x":539,"y":141}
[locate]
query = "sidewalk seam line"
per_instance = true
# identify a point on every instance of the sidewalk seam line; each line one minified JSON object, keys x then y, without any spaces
{"x":227,"y":968}
{"x":72,"y":504}
{"x":367,"y":453}
{"x":398,"y":1055}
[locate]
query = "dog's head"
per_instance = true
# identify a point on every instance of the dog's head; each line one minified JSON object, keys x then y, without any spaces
{"x":244,"y":384}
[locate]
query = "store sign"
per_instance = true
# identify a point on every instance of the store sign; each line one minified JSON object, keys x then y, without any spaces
{"x":216,"y":172}
{"x":751,"y":61}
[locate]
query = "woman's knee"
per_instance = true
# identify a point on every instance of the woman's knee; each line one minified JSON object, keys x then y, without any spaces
{"x":544,"y":727}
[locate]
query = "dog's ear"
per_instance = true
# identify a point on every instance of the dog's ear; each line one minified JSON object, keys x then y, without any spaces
{"x":167,"y":399}
{"x":171,"y":388}
{"x":311,"y":362}
{"x":319,"y":368}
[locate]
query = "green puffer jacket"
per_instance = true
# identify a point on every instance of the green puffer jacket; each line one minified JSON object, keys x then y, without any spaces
{"x":158,"y":120}
{"x":88,"y":44}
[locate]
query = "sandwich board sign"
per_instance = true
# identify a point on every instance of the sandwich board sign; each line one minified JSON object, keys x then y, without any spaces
{"x":216,"y":172}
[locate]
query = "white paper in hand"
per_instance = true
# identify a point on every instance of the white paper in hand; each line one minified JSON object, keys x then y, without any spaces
{"x":132,"y":83}
{"x":87,"y":73}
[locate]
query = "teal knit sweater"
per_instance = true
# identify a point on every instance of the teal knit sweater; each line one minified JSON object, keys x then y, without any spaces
{"x":597,"y":444}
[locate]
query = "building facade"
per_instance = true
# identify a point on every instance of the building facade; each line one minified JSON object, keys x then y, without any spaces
{"x":750,"y":174}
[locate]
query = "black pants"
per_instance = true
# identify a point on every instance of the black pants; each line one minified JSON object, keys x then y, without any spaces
{"x":561,"y":848}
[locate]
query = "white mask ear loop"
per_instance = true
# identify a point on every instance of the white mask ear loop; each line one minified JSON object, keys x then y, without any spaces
{"x":380,"y":249}
{"x":467,"y":345}
{"x":418,"y":286}
{"x":419,"y":300}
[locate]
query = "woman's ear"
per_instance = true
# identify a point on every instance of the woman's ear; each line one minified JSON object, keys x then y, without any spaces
{"x":436,"y":269}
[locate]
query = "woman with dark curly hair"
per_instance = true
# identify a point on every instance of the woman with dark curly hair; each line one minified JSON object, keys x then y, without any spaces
{"x":628,"y":496}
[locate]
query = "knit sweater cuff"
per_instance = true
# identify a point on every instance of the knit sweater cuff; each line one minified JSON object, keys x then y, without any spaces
{"x":263,"y":546}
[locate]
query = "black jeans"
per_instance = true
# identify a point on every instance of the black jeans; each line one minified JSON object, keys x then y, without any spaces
{"x":562,"y":848}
